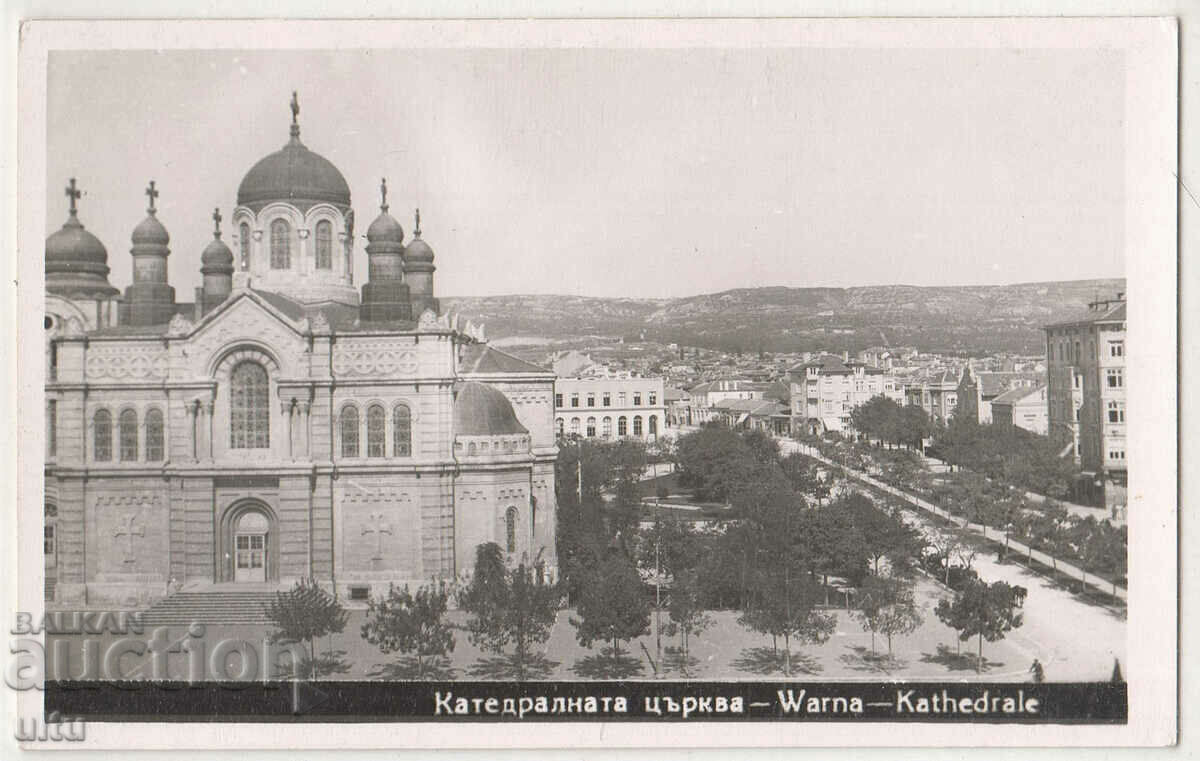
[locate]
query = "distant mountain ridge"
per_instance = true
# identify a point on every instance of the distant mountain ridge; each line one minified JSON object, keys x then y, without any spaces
{"x":974,"y":319}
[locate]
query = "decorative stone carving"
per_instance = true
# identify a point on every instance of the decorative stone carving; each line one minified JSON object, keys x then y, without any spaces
{"x":126,"y":362}
{"x":73,"y":328}
{"x":374,"y":359}
{"x":179,"y":326}
{"x":319,"y":325}
{"x":428,"y":319}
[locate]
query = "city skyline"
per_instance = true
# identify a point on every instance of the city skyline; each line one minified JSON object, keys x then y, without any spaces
{"x":613,"y":154}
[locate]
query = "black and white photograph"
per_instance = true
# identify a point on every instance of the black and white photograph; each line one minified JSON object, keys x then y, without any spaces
{"x":783,"y":377}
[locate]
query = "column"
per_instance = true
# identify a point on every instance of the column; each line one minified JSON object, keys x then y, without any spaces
{"x":193,"y":408}
{"x":208,"y":426}
{"x":285,"y":412}
{"x":305,"y":447}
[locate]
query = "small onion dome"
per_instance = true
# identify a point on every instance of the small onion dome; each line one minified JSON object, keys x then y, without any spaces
{"x":385,"y":228}
{"x":76,"y":260}
{"x":150,"y":232}
{"x":217,"y":258}
{"x":481,"y":410}
{"x":418,"y":250}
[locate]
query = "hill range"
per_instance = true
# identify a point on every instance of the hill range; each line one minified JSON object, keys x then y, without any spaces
{"x":975,"y":320}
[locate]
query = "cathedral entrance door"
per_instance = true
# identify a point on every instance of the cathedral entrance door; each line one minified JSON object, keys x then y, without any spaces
{"x":250,"y":547}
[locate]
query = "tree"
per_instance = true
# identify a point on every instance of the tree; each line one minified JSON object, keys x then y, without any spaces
{"x":886,"y":605}
{"x":714,"y":460}
{"x":404,"y":623}
{"x":883,"y":535}
{"x":305,"y":613}
{"x":805,"y":475}
{"x":785,"y":605}
{"x":688,"y":618}
{"x":507,"y":606}
{"x":986,"y":611}
{"x":613,"y":606}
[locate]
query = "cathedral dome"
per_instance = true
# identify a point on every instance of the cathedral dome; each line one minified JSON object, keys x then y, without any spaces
{"x":418,"y":250}
{"x":151,"y":231}
{"x":480,"y":410}
{"x":76,"y":260}
{"x":216,"y":257}
{"x":385,"y":228}
{"x":294,"y":173}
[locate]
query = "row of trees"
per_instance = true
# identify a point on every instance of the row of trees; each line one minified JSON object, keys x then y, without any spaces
{"x":1019,"y":457}
{"x":883,"y":419}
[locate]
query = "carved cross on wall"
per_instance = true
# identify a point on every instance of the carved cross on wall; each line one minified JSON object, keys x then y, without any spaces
{"x":378,"y":528}
{"x":128,"y":530}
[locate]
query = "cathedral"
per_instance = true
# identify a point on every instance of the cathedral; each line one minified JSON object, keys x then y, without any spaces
{"x":283,"y":424}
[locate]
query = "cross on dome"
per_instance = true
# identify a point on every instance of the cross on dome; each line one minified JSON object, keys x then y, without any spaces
{"x":383,"y":205}
{"x":217,"y":222}
{"x":73,"y":193}
{"x":152,"y":193}
{"x":417,"y":229}
{"x":295,"y":106}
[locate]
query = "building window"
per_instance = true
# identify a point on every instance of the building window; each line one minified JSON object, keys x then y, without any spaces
{"x":591,"y":400}
{"x":249,"y":412}
{"x":376,"y":420}
{"x":622,"y":426}
{"x":349,"y":432}
{"x":607,"y":399}
{"x":127,"y":424}
{"x":244,"y":235}
{"x":401,"y":431}
{"x":558,"y":400}
{"x":52,"y":427}
{"x":510,"y":530}
{"x":574,"y":400}
{"x":558,"y":424}
{"x":48,"y":539}
{"x":1116,"y":412}
{"x":654,"y":425}
{"x":653,"y":398}
{"x":154,"y":435}
{"x":1116,"y":377}
{"x":324,"y":245}
{"x":102,"y":436}
{"x":1116,"y":348}
{"x":637,"y":425}
{"x":574,"y":426}
{"x":606,"y":427}
{"x":1116,"y":454}
{"x":281,"y":245}
{"x":637,"y":399}
{"x":53,"y":372}
{"x":591,"y":427}
{"x":1077,"y":355}
{"x":620,"y":398}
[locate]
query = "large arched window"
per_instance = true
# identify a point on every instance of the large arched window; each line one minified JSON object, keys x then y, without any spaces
{"x":591,"y":428}
{"x":574,"y":426}
{"x":249,"y":397}
{"x":654,"y":425}
{"x":622,"y":426}
{"x":127,"y":428}
{"x":637,"y":425}
{"x":154,"y":435}
{"x":510,"y":530}
{"x":606,"y":428}
{"x":281,"y":245}
{"x":324,"y":245}
{"x":376,"y":437}
{"x":349,"y":432}
{"x":401,"y":431}
{"x":102,"y":436}
{"x":559,"y":424}
{"x":244,"y":237}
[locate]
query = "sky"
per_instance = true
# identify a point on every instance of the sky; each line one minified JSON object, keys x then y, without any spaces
{"x":627,"y":172}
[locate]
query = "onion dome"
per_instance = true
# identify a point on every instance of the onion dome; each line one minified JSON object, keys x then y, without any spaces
{"x":385,"y":228}
{"x":150,"y":232}
{"x":418,"y":250}
{"x":294,"y":173}
{"x":76,"y":260}
{"x":481,"y":410}
{"x":217,"y":258}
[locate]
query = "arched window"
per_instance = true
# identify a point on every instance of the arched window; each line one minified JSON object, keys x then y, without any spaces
{"x":102,"y":436}
{"x":154,"y":435}
{"x":510,"y":530}
{"x":558,"y":425}
{"x":324,"y":245}
{"x":591,"y":428}
{"x":401,"y":431}
{"x":574,"y":426}
{"x":281,"y":245}
{"x":622,"y":426}
{"x":654,"y":425}
{"x":249,"y":415}
{"x":637,"y":425}
{"x":349,"y":432}
{"x":127,"y":424}
{"x":606,"y":427}
{"x":244,"y":235}
{"x":376,"y":419}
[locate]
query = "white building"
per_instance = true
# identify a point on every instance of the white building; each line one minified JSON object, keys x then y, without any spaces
{"x":610,"y":407}
{"x":825,"y":390}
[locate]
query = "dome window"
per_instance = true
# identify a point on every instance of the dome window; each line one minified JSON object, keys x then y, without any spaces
{"x":281,"y":245}
{"x":244,"y":236}
{"x":324,"y":245}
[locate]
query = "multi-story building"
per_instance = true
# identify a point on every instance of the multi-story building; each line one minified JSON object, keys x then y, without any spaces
{"x":1023,"y":407}
{"x":977,"y":390}
{"x":281,"y":426}
{"x":825,"y":390}
{"x":1091,"y":348}
{"x":705,"y":396}
{"x":609,"y":407}
{"x":936,"y":393}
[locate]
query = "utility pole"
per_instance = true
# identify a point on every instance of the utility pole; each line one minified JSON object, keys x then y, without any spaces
{"x":657,"y":586}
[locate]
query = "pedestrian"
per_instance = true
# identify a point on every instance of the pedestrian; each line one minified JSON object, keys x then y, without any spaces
{"x":1039,"y":673}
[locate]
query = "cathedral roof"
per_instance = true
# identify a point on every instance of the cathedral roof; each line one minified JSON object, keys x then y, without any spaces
{"x":76,"y":260}
{"x":294,"y":173}
{"x":482,"y":358}
{"x":480,"y":410}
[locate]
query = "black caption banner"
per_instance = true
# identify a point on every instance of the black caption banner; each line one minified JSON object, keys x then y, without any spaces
{"x":337,"y":701}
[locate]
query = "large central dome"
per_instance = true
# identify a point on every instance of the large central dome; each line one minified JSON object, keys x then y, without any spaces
{"x":294,"y":174}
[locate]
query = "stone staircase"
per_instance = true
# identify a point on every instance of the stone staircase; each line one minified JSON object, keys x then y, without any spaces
{"x":218,"y":604}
